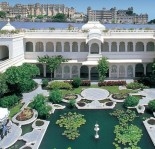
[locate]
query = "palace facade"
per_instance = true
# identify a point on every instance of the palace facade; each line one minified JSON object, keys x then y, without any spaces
{"x":129,"y":52}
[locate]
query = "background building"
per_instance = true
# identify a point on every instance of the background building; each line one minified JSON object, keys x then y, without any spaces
{"x":116,"y":16}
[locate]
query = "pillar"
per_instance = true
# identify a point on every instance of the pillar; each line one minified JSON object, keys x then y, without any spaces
{"x":126,"y":46}
{"x":44,"y":46}
{"x":62,"y":71}
{"x":79,"y":71}
{"x":70,"y":46}
{"x":145,"y":45}
{"x":70,"y":67}
{"x":100,"y":48}
{"x":144,"y":65}
{"x":79,"y":46}
{"x":117,"y":71}
{"x":54,"y":46}
{"x":109,"y":46}
{"x":62,"y":45}
{"x":134,"y":65}
{"x":126,"y":73}
{"x":118,"y":46}
{"x":34,"y":46}
{"x":44,"y":68}
{"x":134,"y":46}
{"x":89,"y":72}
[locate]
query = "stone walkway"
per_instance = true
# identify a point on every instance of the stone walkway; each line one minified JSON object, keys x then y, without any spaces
{"x":11,"y":137}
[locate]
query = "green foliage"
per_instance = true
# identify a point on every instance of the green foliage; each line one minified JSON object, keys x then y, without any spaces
{"x":27,"y":85}
{"x":2,"y":14}
{"x":76,"y":82}
{"x":40,"y":17}
{"x":55,"y":96}
{"x":9,"y":32}
{"x":59,"y":17}
{"x":52,"y":62}
{"x":131,"y":101}
{"x":135,"y":85}
{"x":9,"y":101}
{"x":126,"y":135}
{"x":102,"y":68}
{"x":39,"y":104}
{"x":59,"y":85}
{"x":152,"y":21}
{"x":3,"y":85}
{"x":72,"y":103}
{"x":71,"y":121}
{"x":44,"y":82}
{"x":21,"y":77}
{"x":15,"y":109}
{"x":151,"y":105}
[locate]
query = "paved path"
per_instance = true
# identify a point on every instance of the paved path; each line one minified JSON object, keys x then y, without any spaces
{"x":11,"y":137}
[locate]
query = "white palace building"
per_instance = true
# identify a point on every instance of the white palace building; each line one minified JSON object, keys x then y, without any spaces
{"x":129,"y":52}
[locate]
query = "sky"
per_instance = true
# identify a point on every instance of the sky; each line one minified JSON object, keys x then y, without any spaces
{"x":140,"y":6}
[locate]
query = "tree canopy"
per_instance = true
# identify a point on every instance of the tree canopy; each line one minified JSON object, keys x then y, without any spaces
{"x":3,"y":85}
{"x":52,"y":62}
{"x":2,"y":14}
{"x":102,"y":68}
{"x":60,"y":17}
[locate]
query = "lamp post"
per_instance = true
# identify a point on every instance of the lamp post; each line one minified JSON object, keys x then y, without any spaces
{"x":96,"y":130}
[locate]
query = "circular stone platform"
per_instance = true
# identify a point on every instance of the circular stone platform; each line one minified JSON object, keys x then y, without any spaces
{"x":95,"y":94}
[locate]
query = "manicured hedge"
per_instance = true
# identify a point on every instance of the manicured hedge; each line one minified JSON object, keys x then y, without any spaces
{"x":60,"y":85}
{"x":83,"y":82}
{"x":9,"y":101}
{"x":135,"y":85}
{"x":55,"y":96}
{"x":111,"y":83}
{"x":151,"y":105}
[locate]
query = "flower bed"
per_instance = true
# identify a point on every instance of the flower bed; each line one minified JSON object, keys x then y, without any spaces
{"x":104,"y":100}
{"x":81,"y":104}
{"x":26,"y":114}
{"x":70,"y":96}
{"x":120,"y":96}
{"x":151,"y":121}
{"x":83,"y":82}
{"x":112,"y":83}
{"x":39,"y":123}
{"x":85,"y":100}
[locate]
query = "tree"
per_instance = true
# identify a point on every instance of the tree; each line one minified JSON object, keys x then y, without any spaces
{"x":2,"y":14}
{"x":76,"y":82}
{"x":52,"y":62}
{"x":102,"y":68}
{"x":60,"y":17}
{"x":151,"y":105}
{"x":3,"y":85}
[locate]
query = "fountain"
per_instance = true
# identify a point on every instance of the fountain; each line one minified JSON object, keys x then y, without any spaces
{"x":96,"y":130}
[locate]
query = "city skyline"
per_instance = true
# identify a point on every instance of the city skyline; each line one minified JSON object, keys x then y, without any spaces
{"x":140,"y":6}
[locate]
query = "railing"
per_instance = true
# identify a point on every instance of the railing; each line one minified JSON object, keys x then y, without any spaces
{"x":10,"y":62}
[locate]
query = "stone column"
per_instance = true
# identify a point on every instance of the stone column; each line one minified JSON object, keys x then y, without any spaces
{"x":126,"y":73}
{"x":79,"y":71}
{"x":89,"y":72}
{"x":79,"y":46}
{"x":126,"y":46}
{"x":144,"y":65}
{"x":70,"y":46}
{"x":100,"y":48}
{"x":44,"y":68}
{"x":62,"y":45}
{"x":89,"y":47}
{"x":145,"y":44}
{"x":134,"y":47}
{"x":34,"y":47}
{"x":44,"y":46}
{"x":54,"y":46}
{"x":62,"y":71}
{"x":134,"y":75}
{"x":109,"y":71}
{"x":109,"y":46}
{"x":117,"y":71}
{"x":70,"y":67}
{"x":118,"y":46}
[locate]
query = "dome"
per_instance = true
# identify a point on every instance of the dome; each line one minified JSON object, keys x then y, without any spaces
{"x":93,"y":25}
{"x":8,"y":27}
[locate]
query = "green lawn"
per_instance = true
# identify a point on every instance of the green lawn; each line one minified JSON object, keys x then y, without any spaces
{"x":111,"y":89}
{"x":14,"y":110}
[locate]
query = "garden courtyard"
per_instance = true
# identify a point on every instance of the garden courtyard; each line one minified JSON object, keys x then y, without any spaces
{"x":72,"y":112}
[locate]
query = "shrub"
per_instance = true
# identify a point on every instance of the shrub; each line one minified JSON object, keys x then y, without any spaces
{"x":9,"y":101}
{"x":131,"y":101}
{"x":44,"y":82}
{"x":135,"y":85}
{"x":151,"y":105}
{"x":60,"y":85}
{"x":111,"y":83}
{"x":39,"y":104}
{"x":27,"y":85}
{"x":55,"y":96}
{"x":72,"y":103}
{"x":76,"y":82}
{"x":85,"y":83}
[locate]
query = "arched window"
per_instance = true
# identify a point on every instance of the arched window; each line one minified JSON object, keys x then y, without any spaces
{"x":114,"y":71}
{"x":130,"y":71}
{"x":66,"y":47}
{"x":94,"y":48}
{"x":150,"y":46}
{"x":105,"y":47}
{"x":39,"y":47}
{"x":84,"y":71}
{"x":139,"y":46}
{"x":66,"y":72}
{"x":121,"y":71}
{"x":29,"y":47}
{"x":130,"y":47}
{"x":49,"y":47}
{"x":122,"y":47}
{"x":4,"y":53}
{"x":113,"y":47}
{"x":58,"y":47}
{"x":75,"y":47}
{"x":59,"y":72}
{"x":84,"y":47}
{"x":139,"y":70}
{"x":74,"y":71}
